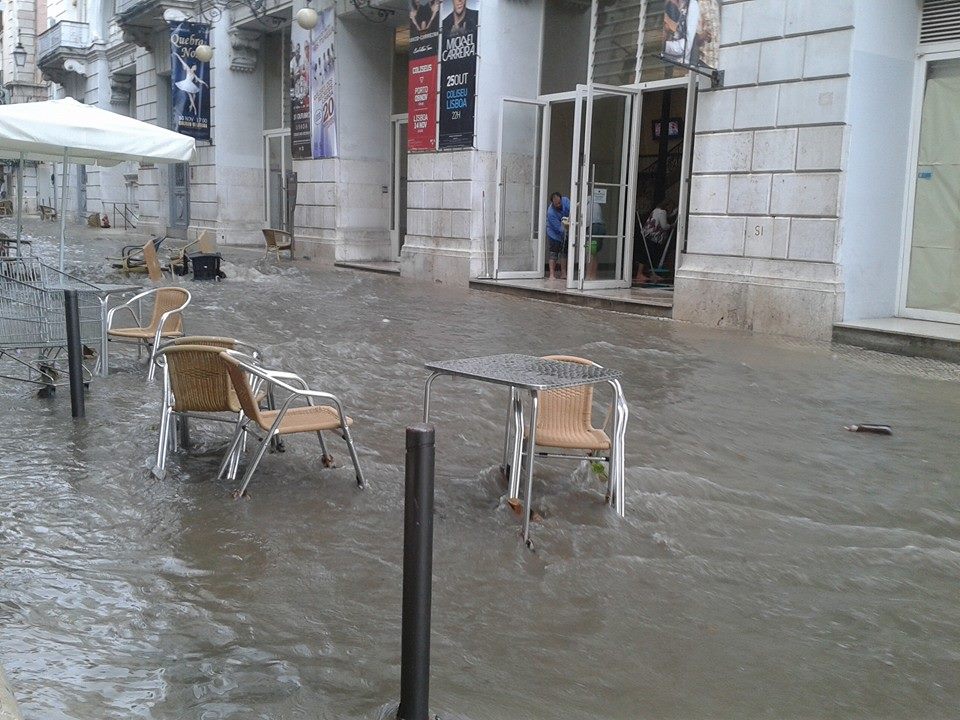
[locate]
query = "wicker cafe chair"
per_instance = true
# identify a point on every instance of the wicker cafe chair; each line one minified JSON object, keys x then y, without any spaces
{"x":196,"y":384}
{"x":277,"y":240}
{"x":285,"y":419}
{"x":565,"y":423}
{"x":166,"y":322}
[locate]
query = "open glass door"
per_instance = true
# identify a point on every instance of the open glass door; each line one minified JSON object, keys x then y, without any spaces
{"x":398,"y":185}
{"x":603,"y":193}
{"x":277,"y":160}
{"x":930,"y":287}
{"x":521,"y":165}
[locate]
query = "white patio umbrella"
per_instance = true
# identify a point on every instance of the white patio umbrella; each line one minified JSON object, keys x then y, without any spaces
{"x":68,"y":131}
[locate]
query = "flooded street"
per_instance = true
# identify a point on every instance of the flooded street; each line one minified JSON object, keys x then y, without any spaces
{"x":770,"y":565}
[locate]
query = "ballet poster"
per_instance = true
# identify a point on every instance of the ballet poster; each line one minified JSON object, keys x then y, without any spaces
{"x":190,"y":80}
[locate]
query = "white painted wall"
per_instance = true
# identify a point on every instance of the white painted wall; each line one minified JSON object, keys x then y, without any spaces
{"x":881,"y":90}
{"x":508,"y":62}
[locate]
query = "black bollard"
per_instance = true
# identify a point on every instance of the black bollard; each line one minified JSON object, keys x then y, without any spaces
{"x":417,"y":575}
{"x":74,"y":352}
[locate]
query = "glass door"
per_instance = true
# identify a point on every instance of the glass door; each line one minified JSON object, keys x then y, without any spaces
{"x":931,"y":287}
{"x":603,"y":187}
{"x":521,"y":164}
{"x":277,"y":161}
{"x":398,"y":186}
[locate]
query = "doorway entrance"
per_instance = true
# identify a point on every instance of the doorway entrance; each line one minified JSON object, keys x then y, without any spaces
{"x":398,"y":184}
{"x":277,"y":161}
{"x":616,"y":153}
{"x":930,"y":289}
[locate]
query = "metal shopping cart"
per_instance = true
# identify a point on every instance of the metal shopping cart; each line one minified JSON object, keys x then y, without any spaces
{"x":33,"y":332}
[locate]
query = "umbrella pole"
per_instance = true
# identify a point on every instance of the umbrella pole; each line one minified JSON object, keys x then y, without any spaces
{"x":63,"y":206}
{"x":19,"y":202}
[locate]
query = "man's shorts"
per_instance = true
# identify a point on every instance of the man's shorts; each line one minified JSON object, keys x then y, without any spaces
{"x":556,"y":249}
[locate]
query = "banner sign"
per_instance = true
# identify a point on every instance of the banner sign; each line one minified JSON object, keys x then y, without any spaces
{"x":458,"y":72}
{"x":301,"y":146}
{"x":691,"y":32}
{"x":422,"y":78}
{"x":313,"y":126}
{"x":189,"y":80}
{"x":323,"y":127}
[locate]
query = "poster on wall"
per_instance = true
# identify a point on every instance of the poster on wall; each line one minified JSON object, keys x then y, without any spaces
{"x":301,"y":146}
{"x":691,"y":32}
{"x":422,"y":76}
{"x":323,"y":111}
{"x":458,"y":72}
{"x":313,"y":124}
{"x":189,"y":80}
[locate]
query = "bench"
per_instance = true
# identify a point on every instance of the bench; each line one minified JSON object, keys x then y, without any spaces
{"x":47,"y":212}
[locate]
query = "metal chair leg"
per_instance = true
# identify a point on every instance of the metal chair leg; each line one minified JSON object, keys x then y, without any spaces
{"x":326,"y":458}
{"x":163,"y":444}
{"x":232,"y":459}
{"x":506,"y":433}
{"x":264,"y":444}
{"x":517,"y":464}
{"x":531,"y":451}
{"x":361,"y":483}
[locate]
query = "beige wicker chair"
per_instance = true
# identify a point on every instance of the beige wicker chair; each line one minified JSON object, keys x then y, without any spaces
{"x":565,"y":423}
{"x":285,"y":420}
{"x":277,"y":240}
{"x":565,"y":419}
{"x":166,"y":321}
{"x":196,"y":384}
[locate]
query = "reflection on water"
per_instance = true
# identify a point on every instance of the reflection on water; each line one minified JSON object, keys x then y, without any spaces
{"x":770,"y":564}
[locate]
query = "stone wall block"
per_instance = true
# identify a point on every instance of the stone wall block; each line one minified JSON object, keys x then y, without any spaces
{"x":810,"y":194}
{"x":716,"y":235}
{"x":715,"y":110}
{"x":813,"y":239}
{"x":762,"y":19}
{"x":456,"y":195}
{"x":723,"y":152}
{"x":781,"y":237}
{"x":731,"y":17}
{"x":807,"y":16}
{"x":774,"y":149}
{"x":781,"y":60}
{"x":708,"y":193}
{"x":757,"y":107}
{"x":813,"y":102}
{"x":820,"y":148}
{"x":741,"y":64}
{"x":749,"y":194}
{"x":828,"y":54}
{"x":432,"y":194}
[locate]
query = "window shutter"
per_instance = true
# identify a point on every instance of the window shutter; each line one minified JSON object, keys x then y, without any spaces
{"x":940,"y":21}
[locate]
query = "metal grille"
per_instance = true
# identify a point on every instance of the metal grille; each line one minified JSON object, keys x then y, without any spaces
{"x":940,"y":21}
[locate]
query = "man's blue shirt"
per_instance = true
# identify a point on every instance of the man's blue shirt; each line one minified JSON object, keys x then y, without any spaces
{"x":554,"y":226}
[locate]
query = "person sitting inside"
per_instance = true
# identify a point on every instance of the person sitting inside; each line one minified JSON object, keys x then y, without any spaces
{"x":654,"y":233}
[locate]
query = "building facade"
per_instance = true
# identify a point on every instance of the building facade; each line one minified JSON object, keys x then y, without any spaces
{"x":814,"y":185}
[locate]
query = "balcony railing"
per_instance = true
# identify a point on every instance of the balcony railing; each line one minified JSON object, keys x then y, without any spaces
{"x":65,"y":35}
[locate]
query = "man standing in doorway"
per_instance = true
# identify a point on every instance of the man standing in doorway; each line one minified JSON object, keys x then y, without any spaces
{"x":558,"y":218}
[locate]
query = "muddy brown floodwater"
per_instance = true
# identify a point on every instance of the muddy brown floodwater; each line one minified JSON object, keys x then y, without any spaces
{"x":770,"y":565}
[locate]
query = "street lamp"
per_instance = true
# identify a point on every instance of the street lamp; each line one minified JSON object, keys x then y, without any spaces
{"x":307,"y":18}
{"x":20,"y":53}
{"x":203,"y":53}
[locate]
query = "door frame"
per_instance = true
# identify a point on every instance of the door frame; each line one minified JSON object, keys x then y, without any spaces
{"x":544,"y":168}
{"x":580,"y":180}
{"x":268,"y":135}
{"x":398,"y":124}
{"x":906,"y":246}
